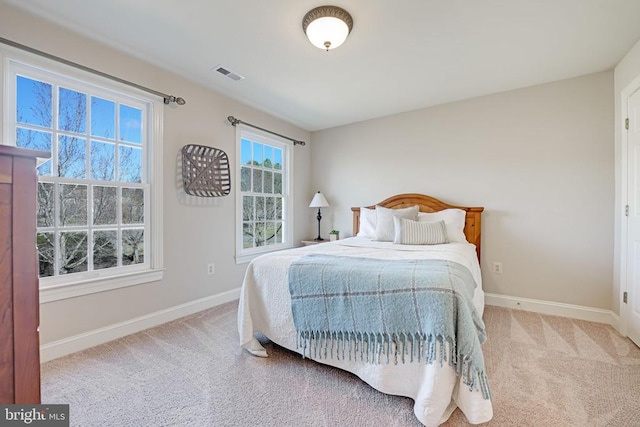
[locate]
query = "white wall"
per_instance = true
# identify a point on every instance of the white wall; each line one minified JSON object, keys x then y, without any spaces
{"x":625,"y":73}
{"x":197,"y":231}
{"x":540,"y":160}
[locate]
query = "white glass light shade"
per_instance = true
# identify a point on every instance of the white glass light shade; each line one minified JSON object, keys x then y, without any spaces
{"x":328,"y":32}
{"x":319,"y":201}
{"x":327,"y":27}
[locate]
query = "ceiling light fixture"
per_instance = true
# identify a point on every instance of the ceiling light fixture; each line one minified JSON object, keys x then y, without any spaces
{"x":327,"y":27}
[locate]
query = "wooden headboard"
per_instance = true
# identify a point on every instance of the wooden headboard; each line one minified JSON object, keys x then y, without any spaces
{"x":472,"y":226}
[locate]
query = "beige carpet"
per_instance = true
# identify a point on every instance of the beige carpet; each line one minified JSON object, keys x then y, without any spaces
{"x":543,"y":371}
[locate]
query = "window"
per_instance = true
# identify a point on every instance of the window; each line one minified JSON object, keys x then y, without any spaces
{"x":264,"y":206}
{"x":98,"y":195}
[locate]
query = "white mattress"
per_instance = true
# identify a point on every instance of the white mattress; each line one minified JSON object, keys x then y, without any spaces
{"x":265,"y":307}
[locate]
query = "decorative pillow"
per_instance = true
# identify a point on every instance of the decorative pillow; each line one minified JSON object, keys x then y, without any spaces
{"x":409,"y":232}
{"x":367,"y":223}
{"x":454,"y":220}
{"x":384,"y":220}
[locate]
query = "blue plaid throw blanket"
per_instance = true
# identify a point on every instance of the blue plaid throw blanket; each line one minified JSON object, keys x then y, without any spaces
{"x":375,"y":309}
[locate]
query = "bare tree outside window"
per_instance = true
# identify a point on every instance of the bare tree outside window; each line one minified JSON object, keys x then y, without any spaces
{"x":86,"y":218}
{"x":105,"y":249}
{"x":262,"y":197}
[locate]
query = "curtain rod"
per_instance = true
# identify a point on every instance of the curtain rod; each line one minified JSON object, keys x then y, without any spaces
{"x":167,"y":98}
{"x":235,"y":121}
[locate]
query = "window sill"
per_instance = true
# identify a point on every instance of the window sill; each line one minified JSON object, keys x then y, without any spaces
{"x":92,"y":286}
{"x":244,"y":259}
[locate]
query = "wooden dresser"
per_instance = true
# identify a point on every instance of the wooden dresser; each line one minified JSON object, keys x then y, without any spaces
{"x":19,"y":309}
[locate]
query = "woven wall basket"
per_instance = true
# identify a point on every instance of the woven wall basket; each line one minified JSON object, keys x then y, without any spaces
{"x":205,"y":171}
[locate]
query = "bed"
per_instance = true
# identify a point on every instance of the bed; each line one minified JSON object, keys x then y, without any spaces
{"x":437,"y":387}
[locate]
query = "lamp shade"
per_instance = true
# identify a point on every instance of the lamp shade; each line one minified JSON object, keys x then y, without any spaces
{"x":327,"y":27}
{"x":319,"y":201}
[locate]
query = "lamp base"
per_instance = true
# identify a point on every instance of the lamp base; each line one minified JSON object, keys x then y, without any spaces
{"x":319,"y":217}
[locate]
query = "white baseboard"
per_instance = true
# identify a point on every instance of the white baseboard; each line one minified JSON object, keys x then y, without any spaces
{"x":69,"y":345}
{"x":555,"y":308}
{"x":89,"y":339}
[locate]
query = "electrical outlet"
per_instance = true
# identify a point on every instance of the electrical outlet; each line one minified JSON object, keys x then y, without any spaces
{"x":497,"y":267}
{"x":211,"y":268}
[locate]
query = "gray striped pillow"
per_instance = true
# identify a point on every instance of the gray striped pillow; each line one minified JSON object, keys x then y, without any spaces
{"x":408,"y":232}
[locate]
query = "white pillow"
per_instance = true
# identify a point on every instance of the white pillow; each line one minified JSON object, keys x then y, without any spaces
{"x":454,"y":220}
{"x":384,"y":220}
{"x":367,"y":223}
{"x":409,"y":232}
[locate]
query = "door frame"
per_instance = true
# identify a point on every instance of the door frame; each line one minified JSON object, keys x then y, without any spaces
{"x":623,"y":176}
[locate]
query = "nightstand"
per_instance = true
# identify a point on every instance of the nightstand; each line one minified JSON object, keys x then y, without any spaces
{"x":313,"y":242}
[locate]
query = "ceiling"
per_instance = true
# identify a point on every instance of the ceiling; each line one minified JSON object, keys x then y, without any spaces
{"x":400,"y":56}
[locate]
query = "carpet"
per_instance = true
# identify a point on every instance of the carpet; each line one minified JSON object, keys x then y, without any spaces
{"x":543,"y":371}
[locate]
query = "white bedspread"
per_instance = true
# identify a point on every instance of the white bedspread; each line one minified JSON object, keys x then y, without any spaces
{"x":265,"y":307}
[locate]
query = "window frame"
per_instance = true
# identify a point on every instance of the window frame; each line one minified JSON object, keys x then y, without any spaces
{"x":16,"y":62}
{"x":244,"y":255}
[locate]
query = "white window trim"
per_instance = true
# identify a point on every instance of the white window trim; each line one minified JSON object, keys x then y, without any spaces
{"x":97,"y":281}
{"x":244,"y":256}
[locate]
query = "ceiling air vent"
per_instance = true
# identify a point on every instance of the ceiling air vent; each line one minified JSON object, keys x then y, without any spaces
{"x":228,"y":73}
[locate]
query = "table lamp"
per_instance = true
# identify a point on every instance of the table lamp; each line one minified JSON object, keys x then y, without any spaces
{"x":319,"y":201}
